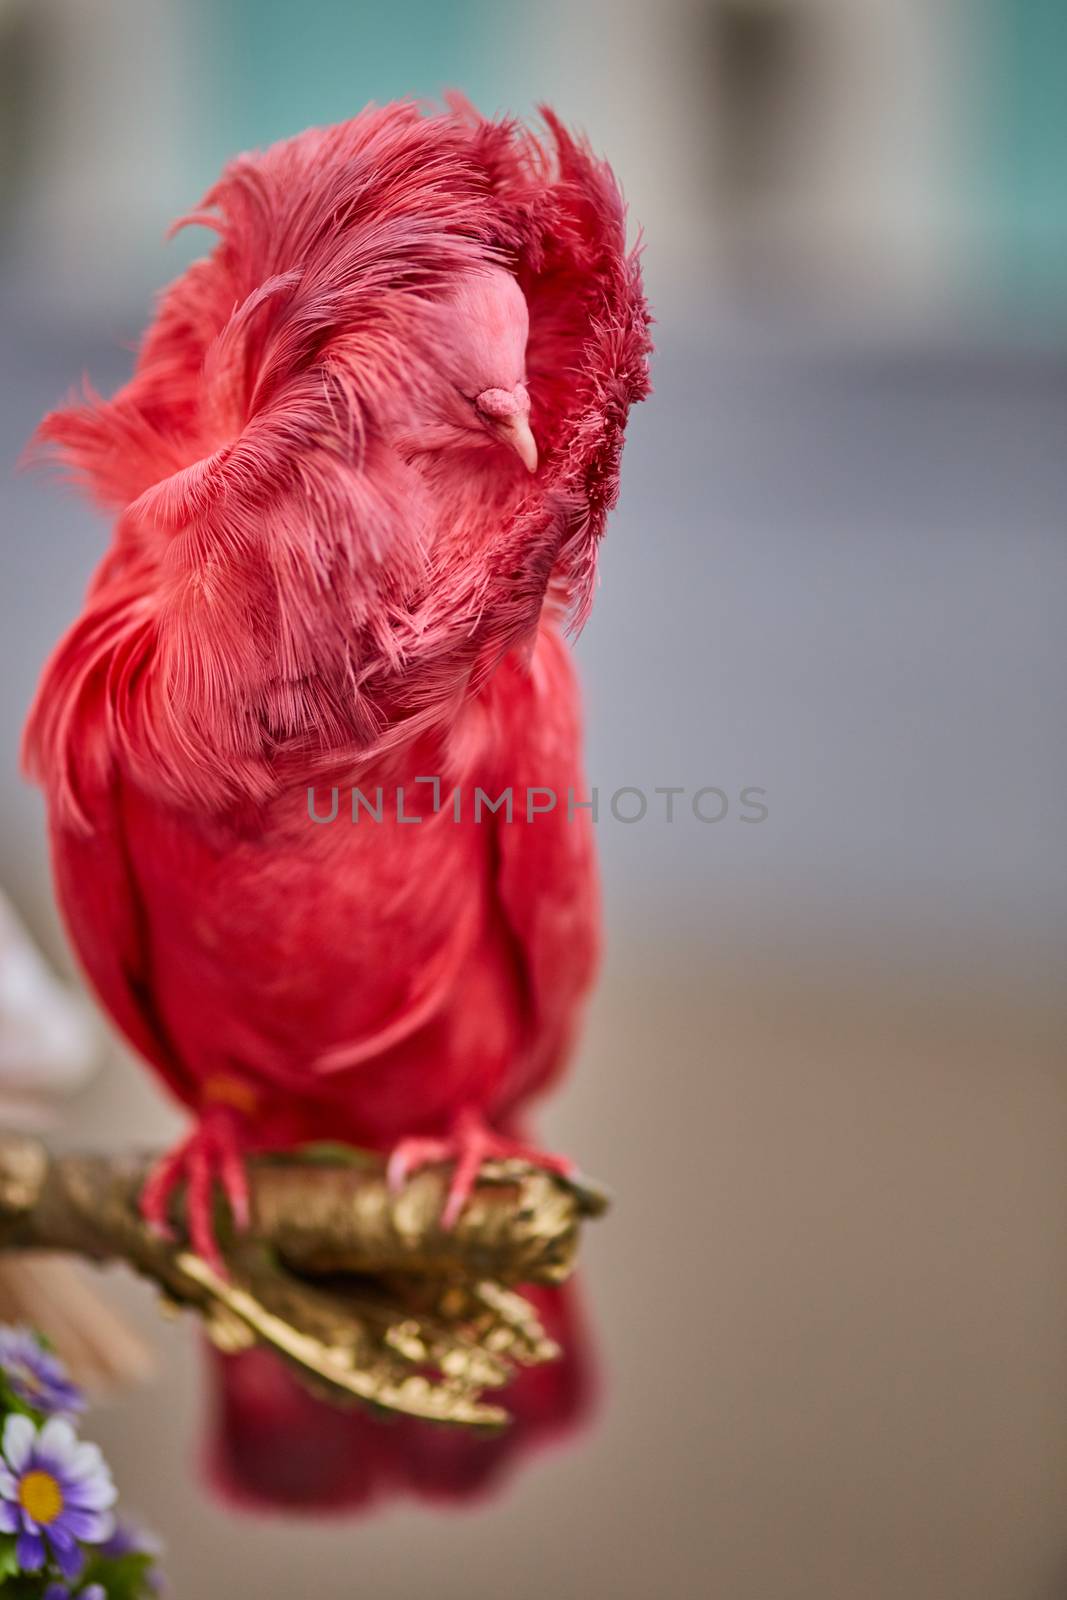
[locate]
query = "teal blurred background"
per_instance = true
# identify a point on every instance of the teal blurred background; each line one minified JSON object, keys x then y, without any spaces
{"x":825,"y":1069}
{"x":904,"y":157}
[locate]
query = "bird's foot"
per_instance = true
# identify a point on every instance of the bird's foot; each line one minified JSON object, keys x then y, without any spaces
{"x":212,"y":1154}
{"x":470,"y":1143}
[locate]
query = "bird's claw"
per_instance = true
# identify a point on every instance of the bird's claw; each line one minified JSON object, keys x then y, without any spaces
{"x":470,"y":1143}
{"x":212,"y":1153}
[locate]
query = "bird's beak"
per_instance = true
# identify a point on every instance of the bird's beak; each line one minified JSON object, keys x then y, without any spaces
{"x":516,"y":432}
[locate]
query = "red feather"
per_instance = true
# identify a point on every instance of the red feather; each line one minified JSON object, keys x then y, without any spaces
{"x":324,"y":574}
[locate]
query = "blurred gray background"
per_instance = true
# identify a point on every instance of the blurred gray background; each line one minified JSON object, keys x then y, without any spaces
{"x":825,"y":1069}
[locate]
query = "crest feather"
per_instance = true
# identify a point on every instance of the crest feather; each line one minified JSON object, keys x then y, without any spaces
{"x":280,"y":593}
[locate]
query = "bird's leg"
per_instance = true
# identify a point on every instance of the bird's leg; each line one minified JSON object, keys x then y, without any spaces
{"x":470,"y":1143}
{"x":212,"y":1154}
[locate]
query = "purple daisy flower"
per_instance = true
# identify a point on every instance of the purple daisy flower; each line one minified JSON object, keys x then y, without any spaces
{"x":59,"y":1591}
{"x":36,"y":1376}
{"x":55,"y":1493}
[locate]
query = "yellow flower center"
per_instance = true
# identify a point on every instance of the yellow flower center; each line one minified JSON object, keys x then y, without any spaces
{"x":40,"y":1497}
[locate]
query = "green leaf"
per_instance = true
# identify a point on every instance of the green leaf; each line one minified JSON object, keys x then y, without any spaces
{"x":123,"y":1577}
{"x":8,"y":1564}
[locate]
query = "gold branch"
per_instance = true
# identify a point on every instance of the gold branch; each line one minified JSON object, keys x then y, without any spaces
{"x":361,"y":1290}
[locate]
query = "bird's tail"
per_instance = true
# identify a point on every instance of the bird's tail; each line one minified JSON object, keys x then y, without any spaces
{"x":274,"y":1446}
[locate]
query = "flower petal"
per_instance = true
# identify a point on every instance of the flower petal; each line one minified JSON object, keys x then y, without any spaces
{"x":9,"y":1488}
{"x":58,"y":1591}
{"x":91,"y":1494}
{"x":69,"y":1557}
{"x":85,"y":1460}
{"x":18,"y":1440}
{"x":91,"y":1526}
{"x":9,"y":1517}
{"x":57,"y":1443}
{"x":29,"y":1551}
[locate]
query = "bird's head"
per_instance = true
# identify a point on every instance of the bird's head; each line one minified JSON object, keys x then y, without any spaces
{"x":477,"y":348}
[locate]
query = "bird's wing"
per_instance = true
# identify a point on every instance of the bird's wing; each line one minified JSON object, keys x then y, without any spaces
{"x":546,"y":874}
{"x":99,"y":899}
